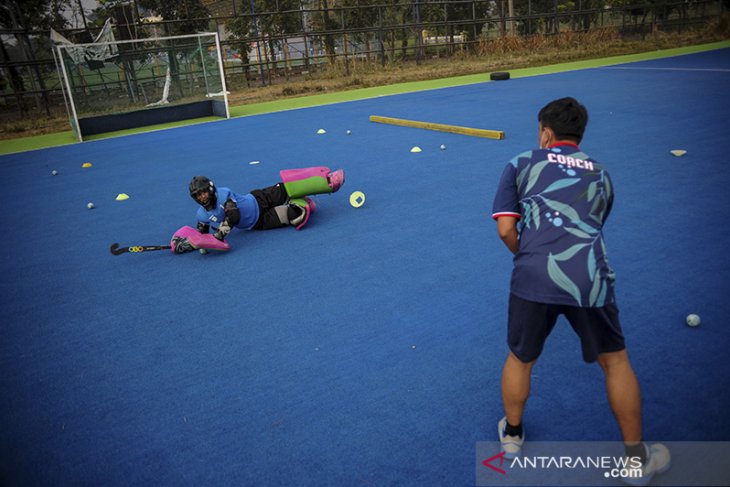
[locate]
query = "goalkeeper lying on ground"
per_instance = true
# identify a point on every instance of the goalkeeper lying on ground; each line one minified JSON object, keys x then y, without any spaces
{"x":285,"y":203}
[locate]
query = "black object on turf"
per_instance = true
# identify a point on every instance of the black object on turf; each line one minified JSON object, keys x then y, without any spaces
{"x":499,"y":76}
{"x":135,"y":249}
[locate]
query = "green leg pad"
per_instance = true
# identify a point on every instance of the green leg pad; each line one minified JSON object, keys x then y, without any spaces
{"x":305,"y":187}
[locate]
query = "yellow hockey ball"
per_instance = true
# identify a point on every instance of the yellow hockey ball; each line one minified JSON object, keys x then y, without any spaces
{"x":357,"y":199}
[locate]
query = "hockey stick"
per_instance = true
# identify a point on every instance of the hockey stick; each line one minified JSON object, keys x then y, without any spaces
{"x":134,"y":249}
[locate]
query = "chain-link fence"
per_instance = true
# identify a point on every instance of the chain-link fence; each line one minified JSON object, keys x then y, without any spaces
{"x":266,"y":42}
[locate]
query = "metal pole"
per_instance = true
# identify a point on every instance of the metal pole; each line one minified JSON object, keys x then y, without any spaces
{"x":76,"y":127}
{"x":202,"y":60}
{"x":304,"y":30}
{"x":223,"y":74}
{"x":258,"y":42}
{"x":380,"y":35}
{"x":419,"y":34}
{"x":511,"y":13}
{"x":61,"y":79}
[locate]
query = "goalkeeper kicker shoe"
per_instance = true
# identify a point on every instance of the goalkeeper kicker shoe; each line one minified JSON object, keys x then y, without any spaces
{"x":312,"y":205}
{"x":336,"y":179}
{"x":304,"y":205}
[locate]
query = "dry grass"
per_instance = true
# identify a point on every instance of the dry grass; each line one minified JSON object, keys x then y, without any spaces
{"x":34,"y":126}
{"x":505,"y":53}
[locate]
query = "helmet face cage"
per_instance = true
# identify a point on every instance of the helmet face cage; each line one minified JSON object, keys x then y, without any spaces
{"x":200,"y":184}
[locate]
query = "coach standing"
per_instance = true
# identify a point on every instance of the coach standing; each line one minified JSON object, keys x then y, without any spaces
{"x":561,"y":199}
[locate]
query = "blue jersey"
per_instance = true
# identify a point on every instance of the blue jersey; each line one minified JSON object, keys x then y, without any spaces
{"x":246,"y":203}
{"x":562,"y":198}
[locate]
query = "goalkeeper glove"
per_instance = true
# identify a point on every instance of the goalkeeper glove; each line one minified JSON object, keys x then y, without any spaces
{"x":182,"y":245}
{"x":223,"y":230}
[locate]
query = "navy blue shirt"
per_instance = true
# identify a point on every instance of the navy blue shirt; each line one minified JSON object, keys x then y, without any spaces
{"x":246,"y":203}
{"x":562,"y":198}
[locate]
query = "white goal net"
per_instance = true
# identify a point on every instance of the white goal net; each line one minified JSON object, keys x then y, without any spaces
{"x":115,"y":85}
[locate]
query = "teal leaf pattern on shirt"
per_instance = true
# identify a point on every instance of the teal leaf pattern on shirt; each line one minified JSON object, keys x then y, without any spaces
{"x":535,"y":212}
{"x":560,"y":184}
{"x":585,"y":227}
{"x":577,"y":233}
{"x":534,"y":175}
{"x":592,"y":263}
{"x":561,"y":279}
{"x":525,"y":210}
{"x":601,"y":301}
{"x":569,"y":217}
{"x":570,"y":252}
{"x":522,"y":174}
{"x":595,"y":289}
{"x":594,"y":214}
{"x":566,"y":210}
{"x":592,"y":190}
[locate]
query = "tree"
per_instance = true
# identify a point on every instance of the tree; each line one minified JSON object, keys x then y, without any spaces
{"x":280,"y":18}
{"x":180,"y":16}
{"x":241,"y":27}
{"x":548,"y":10}
{"x":326,"y":20}
{"x":184,"y":16}
{"x":22,"y":17}
{"x":33,"y":14}
{"x":365,"y":16}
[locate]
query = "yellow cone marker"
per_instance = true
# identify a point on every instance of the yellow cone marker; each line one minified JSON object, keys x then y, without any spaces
{"x":122,"y":196}
{"x":678,"y":152}
{"x":321,"y":131}
{"x":357,"y":199}
{"x":86,"y":164}
{"x":416,"y":149}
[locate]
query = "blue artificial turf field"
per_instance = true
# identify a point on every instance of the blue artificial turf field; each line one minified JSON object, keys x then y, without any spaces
{"x":367,"y":348}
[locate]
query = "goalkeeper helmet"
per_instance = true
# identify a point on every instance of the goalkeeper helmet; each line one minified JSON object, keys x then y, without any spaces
{"x":201,"y":184}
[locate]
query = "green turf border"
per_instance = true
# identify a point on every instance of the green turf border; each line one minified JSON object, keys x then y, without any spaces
{"x":63,"y":138}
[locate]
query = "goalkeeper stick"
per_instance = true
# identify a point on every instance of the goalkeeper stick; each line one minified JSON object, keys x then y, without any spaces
{"x":135,"y":249}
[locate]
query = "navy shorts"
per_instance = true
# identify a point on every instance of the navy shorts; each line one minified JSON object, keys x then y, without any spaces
{"x":530,"y":323}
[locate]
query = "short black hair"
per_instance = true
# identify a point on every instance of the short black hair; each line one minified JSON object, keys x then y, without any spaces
{"x":566,"y":117}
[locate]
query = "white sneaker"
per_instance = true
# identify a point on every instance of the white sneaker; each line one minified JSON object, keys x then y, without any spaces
{"x":658,"y":460}
{"x":511,"y":445}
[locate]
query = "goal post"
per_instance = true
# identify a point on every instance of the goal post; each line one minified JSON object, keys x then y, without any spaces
{"x":118,"y":85}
